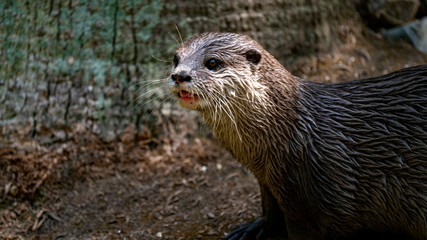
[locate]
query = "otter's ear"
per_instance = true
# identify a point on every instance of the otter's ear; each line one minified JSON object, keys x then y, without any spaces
{"x":253,"y":56}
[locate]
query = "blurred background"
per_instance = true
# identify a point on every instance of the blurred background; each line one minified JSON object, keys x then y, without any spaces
{"x":92,"y":145}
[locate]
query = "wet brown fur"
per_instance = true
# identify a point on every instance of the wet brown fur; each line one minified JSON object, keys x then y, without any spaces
{"x":339,"y":160}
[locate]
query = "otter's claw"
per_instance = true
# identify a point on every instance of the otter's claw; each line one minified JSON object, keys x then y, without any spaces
{"x":247,"y":231}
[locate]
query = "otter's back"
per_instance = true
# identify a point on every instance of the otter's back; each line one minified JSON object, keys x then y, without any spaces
{"x":373,"y":132}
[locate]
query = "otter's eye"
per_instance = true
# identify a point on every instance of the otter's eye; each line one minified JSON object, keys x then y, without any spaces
{"x":175,"y":60}
{"x":213,"y":64}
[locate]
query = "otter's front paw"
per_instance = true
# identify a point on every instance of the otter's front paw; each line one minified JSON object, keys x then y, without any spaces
{"x":255,"y":230}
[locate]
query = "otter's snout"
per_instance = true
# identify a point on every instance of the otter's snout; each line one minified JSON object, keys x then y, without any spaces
{"x":181,"y":77}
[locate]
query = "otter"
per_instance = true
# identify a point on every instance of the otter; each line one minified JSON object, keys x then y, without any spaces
{"x":333,"y":161}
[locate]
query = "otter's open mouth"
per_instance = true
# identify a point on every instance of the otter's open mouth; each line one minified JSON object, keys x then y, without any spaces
{"x":187,"y":96}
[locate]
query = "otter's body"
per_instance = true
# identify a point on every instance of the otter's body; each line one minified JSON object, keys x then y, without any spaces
{"x":341,"y":161}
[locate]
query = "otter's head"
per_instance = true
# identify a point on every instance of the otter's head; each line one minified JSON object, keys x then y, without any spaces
{"x":214,"y":69}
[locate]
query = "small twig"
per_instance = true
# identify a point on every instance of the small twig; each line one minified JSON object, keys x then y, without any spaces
{"x":54,"y":217}
{"x":41,"y":218}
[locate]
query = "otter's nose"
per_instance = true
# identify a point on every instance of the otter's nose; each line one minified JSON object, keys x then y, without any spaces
{"x":181,"y":77}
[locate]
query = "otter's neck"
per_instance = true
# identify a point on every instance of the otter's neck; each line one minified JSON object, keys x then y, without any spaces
{"x":256,"y":128}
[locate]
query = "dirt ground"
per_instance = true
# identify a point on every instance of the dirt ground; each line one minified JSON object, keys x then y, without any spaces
{"x":122,"y":191}
{"x":69,"y":184}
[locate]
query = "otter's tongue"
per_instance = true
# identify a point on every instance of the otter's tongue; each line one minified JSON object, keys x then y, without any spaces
{"x":186,"y":96}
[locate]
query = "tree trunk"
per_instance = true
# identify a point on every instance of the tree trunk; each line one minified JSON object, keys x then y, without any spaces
{"x":75,"y":61}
